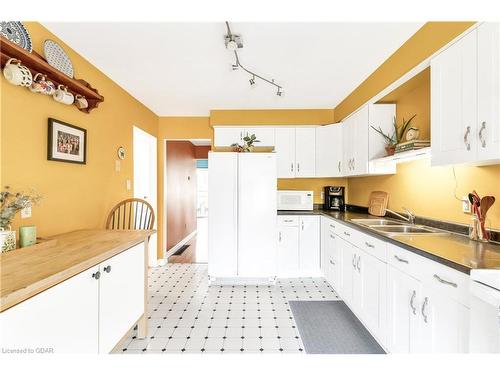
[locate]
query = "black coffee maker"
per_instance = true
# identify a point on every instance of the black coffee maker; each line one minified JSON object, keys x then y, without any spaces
{"x":334,"y":198}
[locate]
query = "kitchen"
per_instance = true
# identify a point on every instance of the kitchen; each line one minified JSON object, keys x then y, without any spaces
{"x":363,"y":226}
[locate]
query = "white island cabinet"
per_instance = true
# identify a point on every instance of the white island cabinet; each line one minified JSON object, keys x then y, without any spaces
{"x":89,"y":312}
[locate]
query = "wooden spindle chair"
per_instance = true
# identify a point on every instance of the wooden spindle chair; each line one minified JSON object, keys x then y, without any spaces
{"x":131,"y":214}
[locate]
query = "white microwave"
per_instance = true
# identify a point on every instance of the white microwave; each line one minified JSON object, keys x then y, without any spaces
{"x":295,"y":200}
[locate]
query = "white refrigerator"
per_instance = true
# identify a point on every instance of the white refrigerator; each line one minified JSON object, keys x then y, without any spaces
{"x":242,"y":234}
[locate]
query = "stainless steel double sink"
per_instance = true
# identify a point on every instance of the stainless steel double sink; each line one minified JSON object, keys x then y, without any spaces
{"x":394,"y":227}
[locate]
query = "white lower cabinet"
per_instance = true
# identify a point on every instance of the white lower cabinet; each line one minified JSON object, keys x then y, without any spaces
{"x":63,"y":318}
{"x":288,"y":251}
{"x":121,"y":296}
{"x":298,"y":246}
{"x":88,"y":313}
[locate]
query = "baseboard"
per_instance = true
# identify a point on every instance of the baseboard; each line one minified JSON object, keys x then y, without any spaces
{"x":181,"y":243}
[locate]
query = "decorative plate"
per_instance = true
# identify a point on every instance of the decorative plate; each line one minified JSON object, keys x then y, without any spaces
{"x":15,"y":32}
{"x":56,"y":57}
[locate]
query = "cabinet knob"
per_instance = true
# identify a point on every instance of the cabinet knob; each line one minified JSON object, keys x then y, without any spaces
{"x":107,"y":269}
{"x":96,"y":275}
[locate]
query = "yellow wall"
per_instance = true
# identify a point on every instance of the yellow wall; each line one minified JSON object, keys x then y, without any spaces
{"x":429,"y":191}
{"x":426,"y":41}
{"x":74,"y":196}
{"x":272,"y":117}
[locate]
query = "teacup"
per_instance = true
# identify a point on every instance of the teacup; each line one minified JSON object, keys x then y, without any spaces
{"x":81,"y":102}
{"x":17,"y":74}
{"x":62,"y":95}
{"x":41,"y":85}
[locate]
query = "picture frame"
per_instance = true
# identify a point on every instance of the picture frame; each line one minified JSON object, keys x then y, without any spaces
{"x":66,"y":143}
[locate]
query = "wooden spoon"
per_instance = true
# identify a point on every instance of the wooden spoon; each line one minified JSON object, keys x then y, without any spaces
{"x":486,"y":203}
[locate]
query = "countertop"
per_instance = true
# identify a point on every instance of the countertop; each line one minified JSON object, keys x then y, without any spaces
{"x":28,"y":271}
{"x":453,"y":250}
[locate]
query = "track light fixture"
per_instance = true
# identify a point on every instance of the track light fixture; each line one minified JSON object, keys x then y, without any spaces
{"x":233,"y":43}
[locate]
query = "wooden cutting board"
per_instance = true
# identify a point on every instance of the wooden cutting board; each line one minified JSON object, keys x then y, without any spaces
{"x":378,"y":203}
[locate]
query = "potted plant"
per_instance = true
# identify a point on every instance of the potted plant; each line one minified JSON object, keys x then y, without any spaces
{"x":247,"y":146}
{"x":396,"y":137}
{"x":11,"y":203}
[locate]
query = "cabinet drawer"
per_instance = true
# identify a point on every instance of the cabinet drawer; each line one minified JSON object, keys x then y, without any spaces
{"x":345,"y":232}
{"x":372,"y":246}
{"x":288,"y":221}
{"x":446,"y":280}
{"x":404,"y":260}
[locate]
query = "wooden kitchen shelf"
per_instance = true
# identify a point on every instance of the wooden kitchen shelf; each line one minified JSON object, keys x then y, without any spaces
{"x":36,"y":64}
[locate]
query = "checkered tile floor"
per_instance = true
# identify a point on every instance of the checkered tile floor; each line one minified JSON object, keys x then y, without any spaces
{"x":186,"y":315}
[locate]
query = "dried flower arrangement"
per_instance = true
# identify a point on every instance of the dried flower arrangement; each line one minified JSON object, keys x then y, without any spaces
{"x":12,"y":203}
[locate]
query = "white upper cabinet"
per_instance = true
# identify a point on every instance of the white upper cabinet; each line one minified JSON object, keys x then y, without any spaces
{"x":465,"y":99}
{"x":454,"y":102}
{"x":305,"y":152}
{"x":225,"y":136}
{"x":329,"y":150}
{"x":488,"y":91}
{"x":361,"y":143}
{"x":285,"y":152}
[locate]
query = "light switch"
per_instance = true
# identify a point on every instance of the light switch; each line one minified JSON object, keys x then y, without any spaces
{"x":129,"y":185}
{"x":26,"y":213}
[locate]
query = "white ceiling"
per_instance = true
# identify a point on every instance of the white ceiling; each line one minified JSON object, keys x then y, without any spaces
{"x":183,"y":69}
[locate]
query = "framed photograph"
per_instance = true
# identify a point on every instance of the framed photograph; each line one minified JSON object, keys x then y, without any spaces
{"x":66,"y":142}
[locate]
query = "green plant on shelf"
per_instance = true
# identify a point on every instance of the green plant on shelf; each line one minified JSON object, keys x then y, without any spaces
{"x":398,"y":132}
{"x":248,"y":144}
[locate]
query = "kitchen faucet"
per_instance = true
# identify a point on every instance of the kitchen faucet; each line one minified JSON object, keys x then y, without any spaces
{"x":410,"y":218}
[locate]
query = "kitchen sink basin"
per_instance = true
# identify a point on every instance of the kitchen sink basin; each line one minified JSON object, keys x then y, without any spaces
{"x":371,"y":222}
{"x":404,"y":229}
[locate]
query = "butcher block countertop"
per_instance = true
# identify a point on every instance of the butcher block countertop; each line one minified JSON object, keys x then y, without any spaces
{"x":28,"y":271}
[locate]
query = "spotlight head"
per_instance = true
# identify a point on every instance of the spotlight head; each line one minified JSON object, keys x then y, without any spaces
{"x":280,"y":92}
{"x":234,"y":66}
{"x":252,"y":81}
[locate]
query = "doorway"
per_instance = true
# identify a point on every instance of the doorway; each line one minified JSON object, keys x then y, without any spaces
{"x":145,"y":176}
{"x":186,"y":197}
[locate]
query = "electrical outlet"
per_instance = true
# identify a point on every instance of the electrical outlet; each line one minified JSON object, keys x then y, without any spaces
{"x":466,"y":205}
{"x":118,"y":166}
{"x":322,"y":195}
{"x":26,"y":213}
{"x":129,"y":185}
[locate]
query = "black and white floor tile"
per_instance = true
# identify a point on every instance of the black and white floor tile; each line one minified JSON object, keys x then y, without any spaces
{"x":187,"y":315}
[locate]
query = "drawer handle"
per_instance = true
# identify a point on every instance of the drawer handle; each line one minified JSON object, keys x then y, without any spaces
{"x":354,"y":261}
{"x":414,"y":309}
{"x":442,"y":281}
{"x":288,"y":221}
{"x":400,"y":259}
{"x":107,"y":269}
{"x":332,"y":262}
{"x":332,"y":226}
{"x":357,"y":263}
{"x":369,"y":245}
{"x":279,"y":239}
{"x":347,"y":233}
{"x":332,"y":236}
{"x":424,"y":305}
{"x":96,"y":275}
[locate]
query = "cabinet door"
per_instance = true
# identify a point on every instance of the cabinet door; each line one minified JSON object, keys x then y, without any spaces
{"x":347,"y":146}
{"x":121,"y":295}
{"x":454,"y":102}
{"x":64,"y":317}
{"x":305,"y":152}
{"x":264,"y":134}
{"x":309,"y":246}
{"x":371,"y":295}
{"x":329,"y":150}
{"x":443,"y":324}
{"x":360,"y":142}
{"x":334,"y":261}
{"x":347,"y":273}
{"x":288,"y":251}
{"x":285,"y":152}
{"x":225,"y":136}
{"x":324,"y":244}
{"x":488,"y":91}
{"x":403,"y":293}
